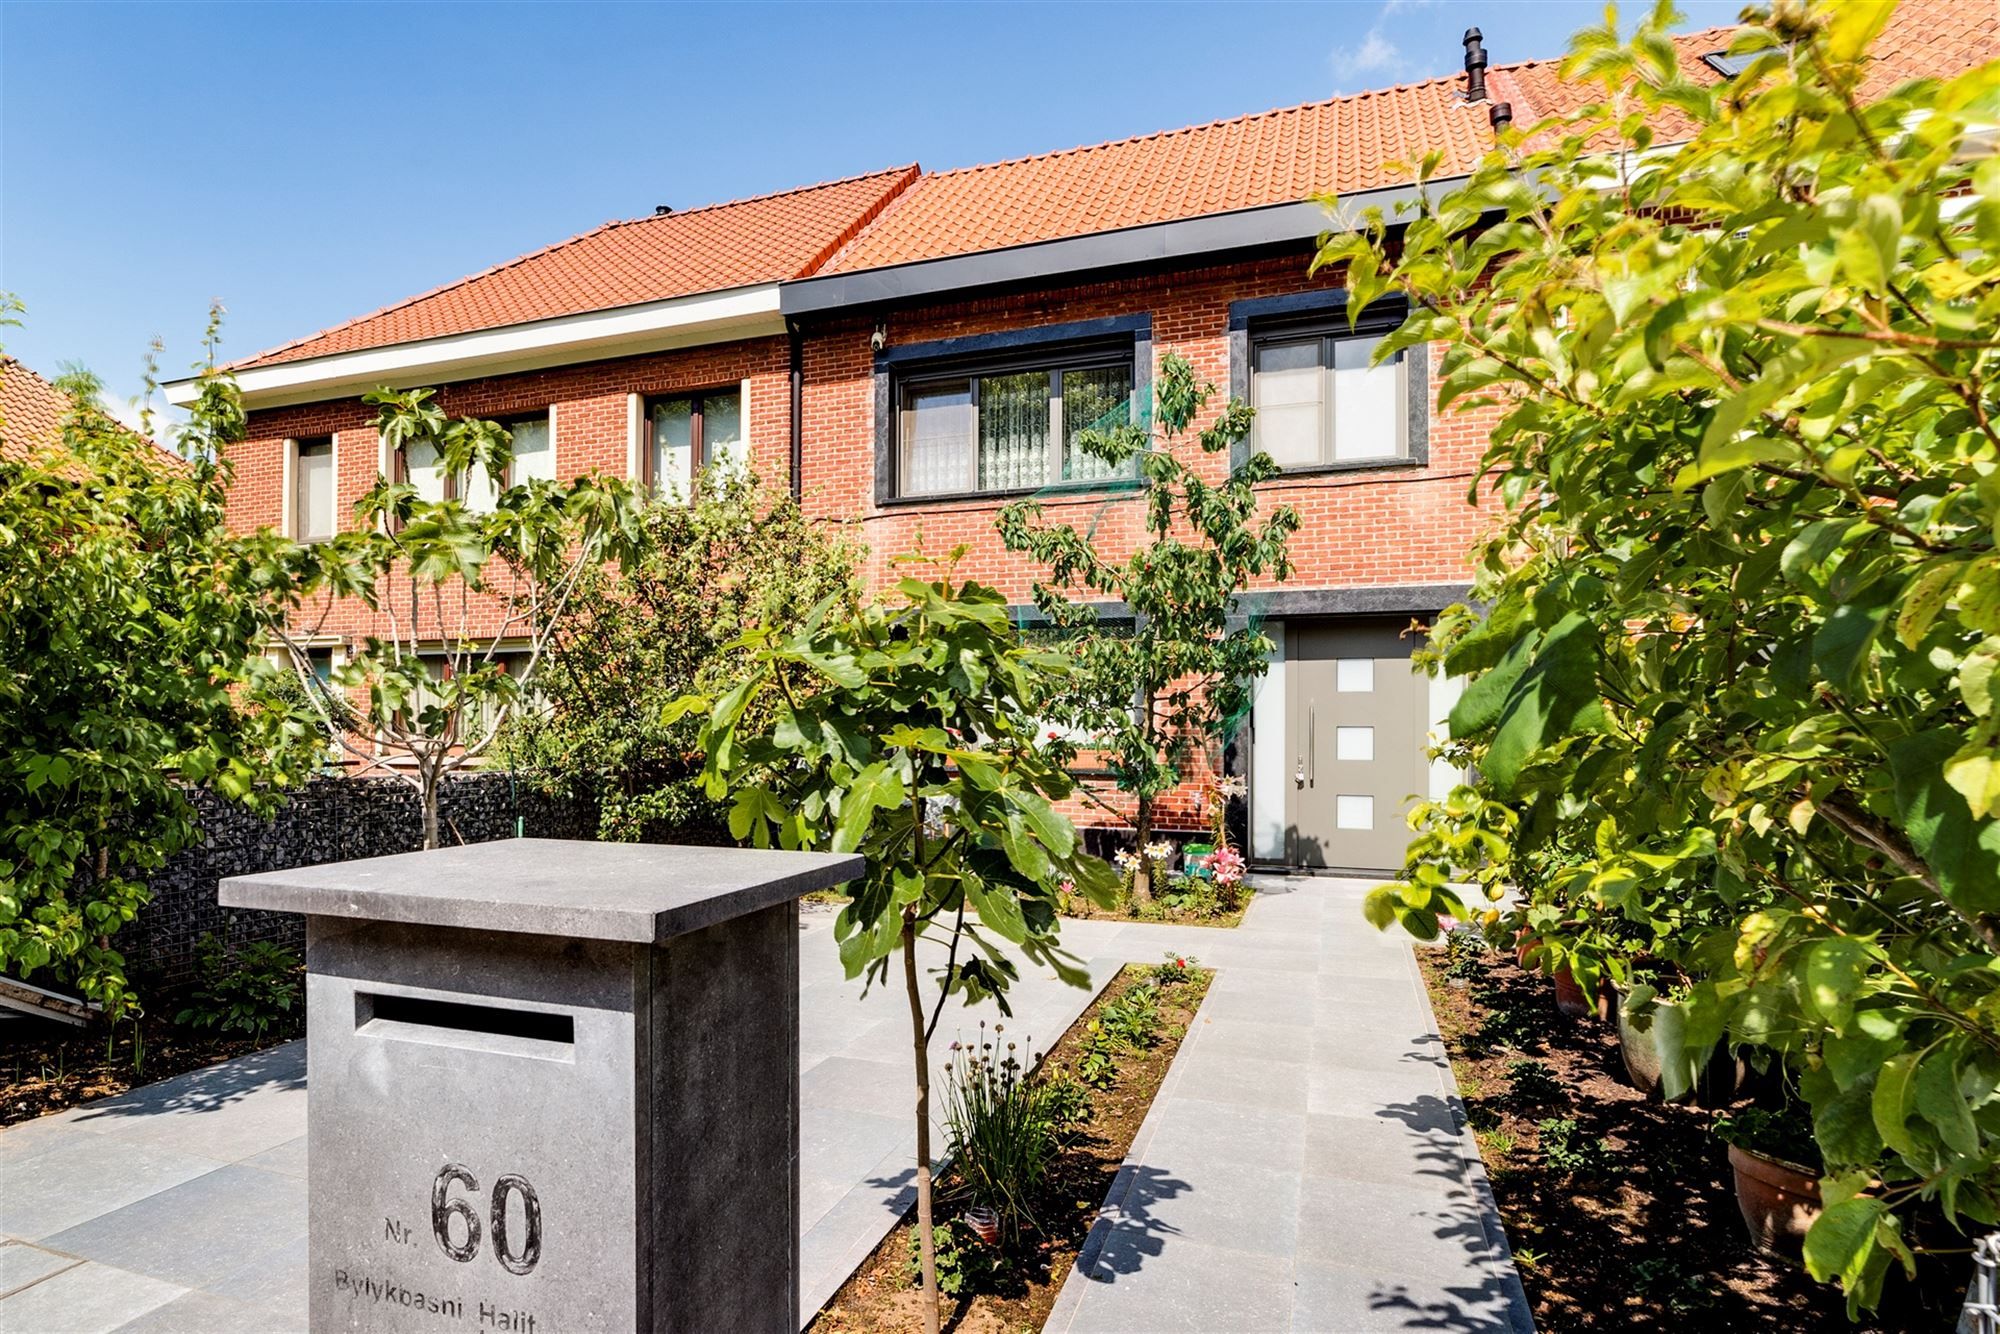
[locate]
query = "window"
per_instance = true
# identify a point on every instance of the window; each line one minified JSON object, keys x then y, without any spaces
{"x":1320,"y":399}
{"x":534,"y":449}
{"x":1010,"y":426}
{"x":689,"y":432}
{"x":313,"y":489}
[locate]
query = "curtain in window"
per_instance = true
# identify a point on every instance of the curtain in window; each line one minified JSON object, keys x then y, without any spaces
{"x":1286,"y":394}
{"x":533,"y":456}
{"x":722,"y":429}
{"x":937,"y":439}
{"x":313,"y":503}
{"x":1367,"y":402}
{"x":1097,"y":399}
{"x":673,"y":447}
{"x":426,"y":470}
{"x":1013,"y":431}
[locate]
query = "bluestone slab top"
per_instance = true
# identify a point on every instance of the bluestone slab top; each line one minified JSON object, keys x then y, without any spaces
{"x":646,"y":892}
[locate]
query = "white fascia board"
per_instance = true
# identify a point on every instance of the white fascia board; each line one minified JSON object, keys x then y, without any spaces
{"x":713,"y":317}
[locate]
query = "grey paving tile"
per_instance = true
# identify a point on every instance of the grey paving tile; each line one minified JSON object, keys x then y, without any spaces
{"x":1339,"y":1299}
{"x":287,"y":1159}
{"x":25,"y":1139}
{"x":1253,"y":1037}
{"x":88,"y":1299}
{"x":1437,"y":1228}
{"x":855,"y":1085}
{"x":1249,"y":1208}
{"x":205,"y":1313}
{"x":274,"y":1279}
{"x":1296,"y":1011}
{"x":245,"y":1216}
{"x":1403,"y":1090}
{"x":1147,"y":1283}
{"x":1418,"y":1150}
{"x":1220,"y":1076}
{"x":1343,"y":1046}
{"x":84,"y":1176}
{"x":1185,"y":1134}
{"x":22,"y":1264}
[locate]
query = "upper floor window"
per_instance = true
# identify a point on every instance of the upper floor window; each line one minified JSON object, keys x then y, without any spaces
{"x":689,"y":432}
{"x":534,"y":456}
{"x":312,"y":499}
{"x":1009,"y":425}
{"x":1321,"y":400}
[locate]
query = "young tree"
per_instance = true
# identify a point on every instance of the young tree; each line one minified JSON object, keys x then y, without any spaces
{"x":1731,"y":699}
{"x":1151,"y":698}
{"x":737,"y":556}
{"x":128,"y":626}
{"x":467,"y":597}
{"x":905,"y":731}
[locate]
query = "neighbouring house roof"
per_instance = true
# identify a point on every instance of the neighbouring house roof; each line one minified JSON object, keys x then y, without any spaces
{"x":1346,"y":145}
{"x":710,"y":249}
{"x":32,"y":411}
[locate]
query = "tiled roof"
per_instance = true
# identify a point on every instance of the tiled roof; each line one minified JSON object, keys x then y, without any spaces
{"x":625,"y":263}
{"x":31,"y":412}
{"x":31,"y":418}
{"x":1346,"y":144}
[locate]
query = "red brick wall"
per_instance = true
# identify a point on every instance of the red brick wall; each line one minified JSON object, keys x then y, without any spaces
{"x":1374,"y":527}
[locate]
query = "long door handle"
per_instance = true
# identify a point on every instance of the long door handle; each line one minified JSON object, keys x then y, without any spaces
{"x":1312,"y":746}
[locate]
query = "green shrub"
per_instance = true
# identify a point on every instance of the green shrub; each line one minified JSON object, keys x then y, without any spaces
{"x":1530,"y":1083}
{"x":1784,"y":1133}
{"x":964,"y":1263}
{"x":999,"y":1126}
{"x":1568,"y":1155}
{"x":254,"y":992}
{"x":1174,"y":969}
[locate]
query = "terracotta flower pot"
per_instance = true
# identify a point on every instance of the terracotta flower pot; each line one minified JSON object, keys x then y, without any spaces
{"x":1778,"y":1201}
{"x":984,"y":1223}
{"x":1574,"y":1004}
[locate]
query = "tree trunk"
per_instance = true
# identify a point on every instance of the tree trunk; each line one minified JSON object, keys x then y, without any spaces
{"x":429,"y":793}
{"x":1142,"y":880}
{"x":926,"y":1242}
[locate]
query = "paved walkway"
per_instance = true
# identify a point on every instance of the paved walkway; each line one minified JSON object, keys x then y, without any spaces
{"x":1302,"y":1167}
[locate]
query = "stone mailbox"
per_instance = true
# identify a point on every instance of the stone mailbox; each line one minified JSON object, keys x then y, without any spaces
{"x":554,"y":1086}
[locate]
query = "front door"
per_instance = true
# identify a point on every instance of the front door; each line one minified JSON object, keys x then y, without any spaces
{"x":1355,"y":714}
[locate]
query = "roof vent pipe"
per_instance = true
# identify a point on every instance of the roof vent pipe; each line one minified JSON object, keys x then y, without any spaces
{"x":1502,"y":115}
{"x":661,"y":210}
{"x":1475,"y":66}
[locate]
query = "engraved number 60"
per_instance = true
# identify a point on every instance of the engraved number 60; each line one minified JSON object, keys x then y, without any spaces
{"x":514,"y":1262}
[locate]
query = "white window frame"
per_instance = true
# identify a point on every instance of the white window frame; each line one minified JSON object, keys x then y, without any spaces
{"x":290,"y":521}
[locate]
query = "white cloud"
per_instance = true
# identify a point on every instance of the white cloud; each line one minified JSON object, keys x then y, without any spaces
{"x":162,"y":429}
{"x":1374,"y":59}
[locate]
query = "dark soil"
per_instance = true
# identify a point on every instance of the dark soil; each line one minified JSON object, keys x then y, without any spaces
{"x":1645,"y":1235}
{"x":47,"y":1068}
{"x":882,"y":1298}
{"x":1161,"y":911}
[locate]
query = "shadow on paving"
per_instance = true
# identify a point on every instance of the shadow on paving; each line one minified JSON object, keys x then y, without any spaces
{"x":1122,"y":1244}
{"x":275,"y":1069}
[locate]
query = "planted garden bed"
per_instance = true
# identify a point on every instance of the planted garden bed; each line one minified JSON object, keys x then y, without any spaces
{"x":246,"y":1000}
{"x":1113,"y":1058}
{"x":1619,"y":1207}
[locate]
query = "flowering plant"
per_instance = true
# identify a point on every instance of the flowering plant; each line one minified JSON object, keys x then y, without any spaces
{"x":1127,"y":861}
{"x":1226,"y":865}
{"x":1159,"y":852}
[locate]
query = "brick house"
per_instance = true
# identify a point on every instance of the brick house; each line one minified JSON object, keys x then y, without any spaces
{"x":911,"y":350}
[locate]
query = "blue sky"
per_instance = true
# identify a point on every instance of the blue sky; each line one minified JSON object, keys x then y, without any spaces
{"x":305,"y":163}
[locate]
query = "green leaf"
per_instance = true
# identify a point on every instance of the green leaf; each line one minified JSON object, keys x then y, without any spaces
{"x":1894,"y":1099}
{"x":1841,"y":1240}
{"x":1939,"y":1101}
{"x":875,"y":787}
{"x":1833,"y":973}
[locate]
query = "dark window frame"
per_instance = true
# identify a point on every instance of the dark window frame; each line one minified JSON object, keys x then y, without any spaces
{"x":1123,"y":341}
{"x":697,"y":436}
{"x":1323,"y":314}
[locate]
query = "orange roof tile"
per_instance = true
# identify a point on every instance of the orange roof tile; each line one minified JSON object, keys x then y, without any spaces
{"x":709,"y":249}
{"x":31,"y":412}
{"x":1346,"y":144}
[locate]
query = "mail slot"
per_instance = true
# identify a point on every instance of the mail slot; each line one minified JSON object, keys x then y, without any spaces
{"x":553,"y":1086}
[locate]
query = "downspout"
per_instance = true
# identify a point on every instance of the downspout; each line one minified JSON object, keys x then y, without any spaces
{"x":796,"y":337}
